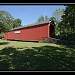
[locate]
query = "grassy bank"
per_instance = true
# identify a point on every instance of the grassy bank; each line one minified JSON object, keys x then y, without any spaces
{"x":17,"y":55}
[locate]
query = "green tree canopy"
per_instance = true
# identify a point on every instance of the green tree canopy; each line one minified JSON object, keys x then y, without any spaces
{"x":58,"y":13}
{"x":40,"y":19}
{"x":16,"y":23}
{"x":46,"y":18}
{"x":6,"y":21}
{"x":68,"y":23}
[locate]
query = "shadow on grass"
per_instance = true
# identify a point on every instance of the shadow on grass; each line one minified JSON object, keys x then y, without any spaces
{"x":4,"y":43}
{"x":37,"y":58}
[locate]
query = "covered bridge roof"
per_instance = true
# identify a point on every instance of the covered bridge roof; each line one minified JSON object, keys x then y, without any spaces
{"x":34,"y":24}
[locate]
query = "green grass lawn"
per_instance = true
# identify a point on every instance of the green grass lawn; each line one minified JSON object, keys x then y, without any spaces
{"x":18,"y":55}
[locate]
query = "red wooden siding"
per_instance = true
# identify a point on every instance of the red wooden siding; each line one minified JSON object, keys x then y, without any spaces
{"x":36,"y":32}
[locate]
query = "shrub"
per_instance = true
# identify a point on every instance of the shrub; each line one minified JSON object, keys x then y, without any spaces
{"x":68,"y":36}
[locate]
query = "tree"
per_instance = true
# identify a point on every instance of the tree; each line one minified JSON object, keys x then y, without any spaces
{"x":40,"y":19}
{"x":16,"y":23}
{"x":43,"y":19}
{"x":68,"y":23}
{"x":57,"y":17}
{"x":46,"y":18}
{"x":58,"y":13}
{"x":6,"y":21}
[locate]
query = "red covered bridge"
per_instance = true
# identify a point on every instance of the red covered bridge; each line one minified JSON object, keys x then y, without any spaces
{"x":33,"y":32}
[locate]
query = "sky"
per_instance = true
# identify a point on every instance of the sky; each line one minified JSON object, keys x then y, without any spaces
{"x":30,"y":13}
